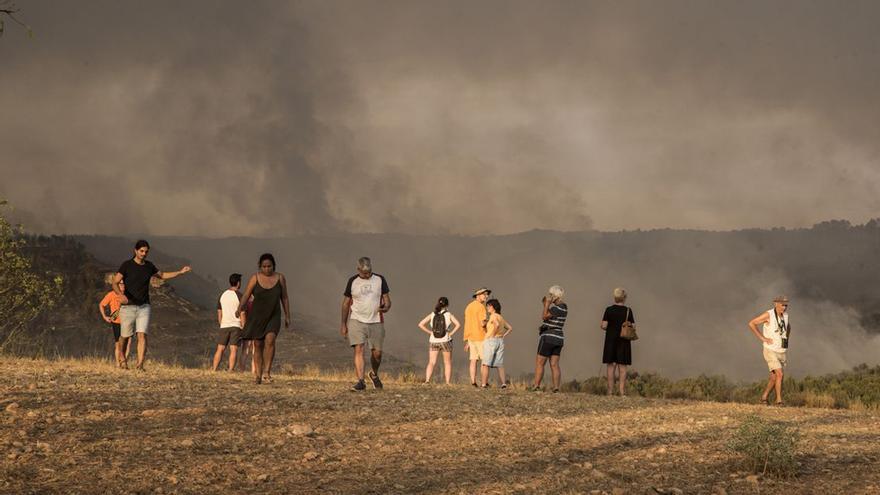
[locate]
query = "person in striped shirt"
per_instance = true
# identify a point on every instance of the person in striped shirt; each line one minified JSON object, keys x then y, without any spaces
{"x":551,"y":338}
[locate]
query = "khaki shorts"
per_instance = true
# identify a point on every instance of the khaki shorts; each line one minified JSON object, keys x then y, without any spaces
{"x":475,"y":350}
{"x":775,"y":360}
{"x":360,"y":333}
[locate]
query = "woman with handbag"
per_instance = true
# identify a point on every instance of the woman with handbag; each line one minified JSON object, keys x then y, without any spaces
{"x":619,"y":325}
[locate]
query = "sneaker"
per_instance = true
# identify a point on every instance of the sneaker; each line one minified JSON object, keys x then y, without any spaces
{"x":535,"y":389}
{"x":555,"y":390}
{"x":503,"y":385}
{"x":377,"y":383}
{"x":360,"y":385}
{"x":475,"y":384}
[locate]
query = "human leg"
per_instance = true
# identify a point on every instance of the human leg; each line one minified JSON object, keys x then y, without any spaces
{"x":233,"y":357}
{"x":269,"y":354}
{"x":555,"y":371}
{"x":540,"y":361}
{"x":217,"y":355}
{"x":359,"y":361}
{"x":257,"y":367}
{"x":432,"y":361}
{"x":610,"y":375}
{"x":447,"y":366}
{"x":621,"y":378}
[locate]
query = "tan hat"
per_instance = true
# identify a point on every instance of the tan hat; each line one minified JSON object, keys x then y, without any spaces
{"x":780,"y":299}
{"x":481,"y":290}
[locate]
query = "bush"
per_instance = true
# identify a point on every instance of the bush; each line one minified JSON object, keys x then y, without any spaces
{"x":766,"y":447}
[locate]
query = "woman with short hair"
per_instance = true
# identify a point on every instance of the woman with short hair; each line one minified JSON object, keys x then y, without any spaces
{"x":440,"y":338}
{"x":617,"y":353}
{"x":551,"y":338}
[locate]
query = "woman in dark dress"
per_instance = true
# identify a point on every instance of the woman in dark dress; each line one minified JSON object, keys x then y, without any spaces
{"x":263,"y":323}
{"x":618,"y":352}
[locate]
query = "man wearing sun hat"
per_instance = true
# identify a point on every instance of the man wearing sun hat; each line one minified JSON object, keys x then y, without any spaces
{"x":774,"y":336}
{"x":475,"y":317}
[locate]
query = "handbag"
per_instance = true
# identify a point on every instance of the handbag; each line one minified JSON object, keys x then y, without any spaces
{"x":628,"y":328}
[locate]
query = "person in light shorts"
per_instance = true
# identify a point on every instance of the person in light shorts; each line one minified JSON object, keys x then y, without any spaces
{"x":774,"y":338}
{"x":444,"y":324}
{"x":365,"y":302}
{"x":493,"y":346}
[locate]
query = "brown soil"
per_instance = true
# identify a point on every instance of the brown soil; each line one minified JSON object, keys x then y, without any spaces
{"x":84,"y":427}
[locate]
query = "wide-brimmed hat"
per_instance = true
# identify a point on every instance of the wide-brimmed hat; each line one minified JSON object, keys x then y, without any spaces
{"x":780,"y":299}
{"x":481,"y":290}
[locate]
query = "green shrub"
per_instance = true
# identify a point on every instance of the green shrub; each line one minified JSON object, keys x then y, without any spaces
{"x":765,"y":447}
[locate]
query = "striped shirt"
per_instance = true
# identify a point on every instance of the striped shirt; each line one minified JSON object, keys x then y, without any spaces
{"x":553,"y":326}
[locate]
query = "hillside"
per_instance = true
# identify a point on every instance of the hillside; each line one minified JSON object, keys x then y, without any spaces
{"x":83,"y":427}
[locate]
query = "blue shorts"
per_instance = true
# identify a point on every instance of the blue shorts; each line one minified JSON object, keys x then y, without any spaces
{"x":493,"y":352}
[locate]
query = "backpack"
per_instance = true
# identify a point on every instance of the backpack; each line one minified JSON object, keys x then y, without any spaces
{"x":438,"y":325}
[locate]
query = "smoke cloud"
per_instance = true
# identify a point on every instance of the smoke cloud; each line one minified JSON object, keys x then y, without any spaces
{"x":267,"y":118}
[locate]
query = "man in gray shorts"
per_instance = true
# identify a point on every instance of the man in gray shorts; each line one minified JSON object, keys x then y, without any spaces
{"x":366,"y":300}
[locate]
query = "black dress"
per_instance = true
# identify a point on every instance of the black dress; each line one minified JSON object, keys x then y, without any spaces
{"x":265,"y":314}
{"x":617,"y":350}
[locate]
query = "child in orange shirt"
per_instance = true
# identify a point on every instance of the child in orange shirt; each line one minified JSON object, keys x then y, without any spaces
{"x":109,"y":309}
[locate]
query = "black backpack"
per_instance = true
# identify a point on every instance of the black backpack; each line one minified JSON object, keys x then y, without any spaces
{"x":439,"y":325}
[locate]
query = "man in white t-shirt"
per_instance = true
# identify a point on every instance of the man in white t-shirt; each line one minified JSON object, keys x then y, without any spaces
{"x":230,"y":325}
{"x":774,"y":337}
{"x":366,"y":299}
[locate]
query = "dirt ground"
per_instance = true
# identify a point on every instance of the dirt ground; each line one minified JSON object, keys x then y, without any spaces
{"x":85,"y":427}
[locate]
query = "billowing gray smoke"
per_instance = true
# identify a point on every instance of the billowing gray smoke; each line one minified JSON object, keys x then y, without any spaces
{"x":263,"y":118}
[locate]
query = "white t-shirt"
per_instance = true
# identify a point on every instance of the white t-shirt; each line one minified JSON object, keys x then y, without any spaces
{"x":429,"y":321}
{"x":228,"y":305}
{"x":366,"y":297}
{"x":776,"y":331}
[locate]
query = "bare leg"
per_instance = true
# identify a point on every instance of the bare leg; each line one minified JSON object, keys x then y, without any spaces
{"x":258,"y":360}
{"x":473,"y":371}
{"x":778,"y":386}
{"x":233,"y":355}
{"x":502,"y":376}
{"x":217,"y":355}
{"x":359,"y":361}
{"x":610,"y":373}
{"x":771,"y":382}
{"x":117,"y":351}
{"x":432,"y":361}
{"x":269,"y":354}
{"x":556,"y":371}
{"x":621,"y":378}
{"x":485,"y":375}
{"x":142,"y":349}
{"x":539,"y":369}
{"x":125,"y":343}
{"x":447,"y":366}
{"x":375,"y":361}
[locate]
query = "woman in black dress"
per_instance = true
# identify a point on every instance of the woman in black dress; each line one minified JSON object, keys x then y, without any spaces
{"x":263,"y":323}
{"x":618,"y":352}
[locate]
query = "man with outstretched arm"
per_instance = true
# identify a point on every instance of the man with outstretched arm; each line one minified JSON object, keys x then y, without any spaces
{"x":134,"y":314}
{"x":774,"y":338}
{"x":365,"y":300}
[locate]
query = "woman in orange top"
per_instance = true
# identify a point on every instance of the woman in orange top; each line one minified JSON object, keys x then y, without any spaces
{"x":109,"y":309}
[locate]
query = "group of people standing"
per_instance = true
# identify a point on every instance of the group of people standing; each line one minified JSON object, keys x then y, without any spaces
{"x":255,"y":318}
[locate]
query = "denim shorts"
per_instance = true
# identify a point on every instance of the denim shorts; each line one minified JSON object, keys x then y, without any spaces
{"x":493,"y":352}
{"x":134,"y":319}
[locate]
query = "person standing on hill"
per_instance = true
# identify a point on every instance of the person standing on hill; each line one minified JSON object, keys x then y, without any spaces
{"x":551,"y":338}
{"x":109,"y":309}
{"x":617,"y":353}
{"x":269,"y":289}
{"x":132,"y":283}
{"x":475,"y":318}
{"x":440,"y":338}
{"x":365,"y":299}
{"x":493,"y":346}
{"x":774,"y":337}
{"x":230,"y":324}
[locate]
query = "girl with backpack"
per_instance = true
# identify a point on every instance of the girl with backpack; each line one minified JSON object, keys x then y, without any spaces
{"x":440,"y":337}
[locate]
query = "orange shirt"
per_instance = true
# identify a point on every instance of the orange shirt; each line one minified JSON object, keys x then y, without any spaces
{"x":474,"y":316}
{"x":111,"y":299}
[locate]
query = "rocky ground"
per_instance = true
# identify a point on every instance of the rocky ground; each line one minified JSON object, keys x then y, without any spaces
{"x":84,"y":427}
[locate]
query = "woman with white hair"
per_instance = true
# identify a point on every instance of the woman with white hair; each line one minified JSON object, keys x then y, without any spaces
{"x":550,"y":337}
{"x":617,"y":353}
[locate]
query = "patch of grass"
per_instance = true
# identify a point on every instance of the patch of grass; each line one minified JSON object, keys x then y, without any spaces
{"x":766,"y":447}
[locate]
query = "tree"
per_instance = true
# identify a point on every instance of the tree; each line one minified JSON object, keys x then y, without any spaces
{"x":8,"y":10}
{"x":24,"y":293}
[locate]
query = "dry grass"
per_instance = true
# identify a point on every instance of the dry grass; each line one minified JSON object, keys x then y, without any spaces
{"x":84,"y":427}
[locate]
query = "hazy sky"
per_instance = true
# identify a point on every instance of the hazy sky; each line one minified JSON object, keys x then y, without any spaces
{"x":273,"y":118}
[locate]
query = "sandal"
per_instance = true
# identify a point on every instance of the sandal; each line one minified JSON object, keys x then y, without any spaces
{"x":267,"y":379}
{"x":258,"y":380}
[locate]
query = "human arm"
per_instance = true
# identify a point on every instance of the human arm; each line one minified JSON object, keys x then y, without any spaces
{"x":248,"y":291}
{"x":423,"y":325}
{"x":760,"y":320}
{"x":103,"y":304}
{"x":545,"y":314}
{"x":170,"y":275}
{"x":455,"y":324}
{"x":346,"y":311}
{"x":285,"y":302}
{"x":508,"y":327}
{"x":118,"y":290}
{"x":385,"y":302}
